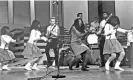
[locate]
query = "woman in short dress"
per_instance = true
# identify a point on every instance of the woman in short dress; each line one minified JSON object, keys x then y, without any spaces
{"x":6,"y":56}
{"x":31,"y":51}
{"x":80,"y":50}
{"x":112,"y":45}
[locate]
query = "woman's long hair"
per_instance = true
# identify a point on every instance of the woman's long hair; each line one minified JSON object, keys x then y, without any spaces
{"x":78,"y":27}
{"x":4,"y":30}
{"x":114,"y":20}
{"x":35,"y":24}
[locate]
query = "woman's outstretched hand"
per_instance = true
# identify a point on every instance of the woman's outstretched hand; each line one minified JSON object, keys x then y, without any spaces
{"x":18,"y":39}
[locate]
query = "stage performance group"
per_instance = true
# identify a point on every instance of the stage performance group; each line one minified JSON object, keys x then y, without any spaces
{"x":105,"y":32}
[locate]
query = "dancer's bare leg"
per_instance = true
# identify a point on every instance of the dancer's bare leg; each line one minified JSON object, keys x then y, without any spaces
{"x":112,"y":57}
{"x":120,"y":58}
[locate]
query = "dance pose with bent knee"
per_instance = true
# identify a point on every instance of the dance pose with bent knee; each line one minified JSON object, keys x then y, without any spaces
{"x":80,"y":50}
{"x":5,"y":54}
{"x":112,"y":45}
{"x":31,"y":51}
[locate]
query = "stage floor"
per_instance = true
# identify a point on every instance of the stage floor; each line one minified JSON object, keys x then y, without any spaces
{"x":95,"y":73}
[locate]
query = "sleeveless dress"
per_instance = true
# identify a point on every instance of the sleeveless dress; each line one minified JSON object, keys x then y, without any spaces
{"x":76,"y":44}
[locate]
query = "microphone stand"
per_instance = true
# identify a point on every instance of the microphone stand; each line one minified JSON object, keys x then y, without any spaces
{"x":58,"y":69}
{"x":58,"y":66}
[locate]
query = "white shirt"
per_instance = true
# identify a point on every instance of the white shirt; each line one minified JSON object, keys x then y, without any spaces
{"x":55,"y":31}
{"x":5,"y":40}
{"x":102,"y":23}
{"x":35,"y":35}
{"x":110,"y":32}
{"x":129,"y":37}
{"x":94,"y":25}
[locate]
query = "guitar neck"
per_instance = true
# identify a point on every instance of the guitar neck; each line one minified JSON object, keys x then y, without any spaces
{"x":109,"y":17}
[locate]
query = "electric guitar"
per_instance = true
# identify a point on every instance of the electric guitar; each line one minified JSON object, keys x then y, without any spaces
{"x":101,"y":34}
{"x":49,"y":36}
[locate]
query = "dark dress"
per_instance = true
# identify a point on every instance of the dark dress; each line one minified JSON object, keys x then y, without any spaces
{"x":76,"y":44}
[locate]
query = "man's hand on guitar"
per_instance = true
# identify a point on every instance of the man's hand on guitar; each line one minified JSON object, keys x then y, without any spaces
{"x":49,"y":40}
{"x":52,"y":33}
{"x":18,"y":39}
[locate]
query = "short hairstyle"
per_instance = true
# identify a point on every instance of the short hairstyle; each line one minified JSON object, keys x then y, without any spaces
{"x":4,"y":30}
{"x":95,"y":18}
{"x":78,"y":14}
{"x":106,"y":13}
{"x":52,"y":18}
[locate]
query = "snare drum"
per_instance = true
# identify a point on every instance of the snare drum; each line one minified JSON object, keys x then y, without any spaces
{"x":92,"y":39}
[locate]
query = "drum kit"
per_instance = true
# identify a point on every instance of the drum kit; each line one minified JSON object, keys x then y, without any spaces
{"x":91,"y":38}
{"x":92,"y":41}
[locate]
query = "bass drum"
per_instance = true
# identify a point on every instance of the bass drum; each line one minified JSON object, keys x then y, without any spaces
{"x":92,"y":39}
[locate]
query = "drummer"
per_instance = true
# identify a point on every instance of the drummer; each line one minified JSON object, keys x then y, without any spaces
{"x":94,"y":24}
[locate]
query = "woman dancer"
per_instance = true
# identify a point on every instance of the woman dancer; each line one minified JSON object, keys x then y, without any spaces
{"x":31,"y":51}
{"x":6,"y":56}
{"x":112,"y":45}
{"x":80,"y":50}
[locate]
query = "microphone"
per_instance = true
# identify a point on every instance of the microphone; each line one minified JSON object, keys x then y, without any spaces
{"x":54,"y":2}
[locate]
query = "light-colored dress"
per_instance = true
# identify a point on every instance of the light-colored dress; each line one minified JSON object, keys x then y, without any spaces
{"x":31,"y":50}
{"x":76,"y":44}
{"x":112,"y":45}
{"x":5,"y":53}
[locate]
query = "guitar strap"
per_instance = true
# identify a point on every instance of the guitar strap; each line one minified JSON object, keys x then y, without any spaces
{"x":53,"y":27}
{"x":52,"y":30}
{"x":103,"y":28}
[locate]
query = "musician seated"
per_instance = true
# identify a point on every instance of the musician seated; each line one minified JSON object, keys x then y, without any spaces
{"x":94,"y":24}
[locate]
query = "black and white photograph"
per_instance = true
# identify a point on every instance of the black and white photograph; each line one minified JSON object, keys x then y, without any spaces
{"x":66,"y":39}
